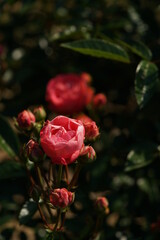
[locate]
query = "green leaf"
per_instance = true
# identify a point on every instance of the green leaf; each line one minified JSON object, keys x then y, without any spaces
{"x":140,"y":156}
{"x":145,"y":82}
{"x":99,"y":48}
{"x":8,"y":139}
{"x":27,"y":211}
{"x":4,"y":146}
{"x":138,"y":48}
{"x":11,"y":169}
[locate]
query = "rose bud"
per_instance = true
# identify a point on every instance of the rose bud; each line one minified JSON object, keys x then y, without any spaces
{"x":25,"y":120}
{"x":61,"y":198}
{"x":84,"y":118}
{"x":68,"y":94}
{"x":101,"y":205}
{"x":39,"y":113}
{"x":86,"y":77}
{"x":99,"y":100}
{"x":91,"y":129}
{"x":87,"y":154}
{"x":34,"y":151}
{"x":62,"y":139}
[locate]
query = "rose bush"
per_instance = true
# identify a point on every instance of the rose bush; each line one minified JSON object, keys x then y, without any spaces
{"x":62,"y":139}
{"x":68,"y":93}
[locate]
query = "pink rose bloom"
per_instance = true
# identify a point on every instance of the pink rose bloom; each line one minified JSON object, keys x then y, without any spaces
{"x":68,"y":93}
{"x":61,"y":198}
{"x":62,"y":139}
{"x":26,"y":119}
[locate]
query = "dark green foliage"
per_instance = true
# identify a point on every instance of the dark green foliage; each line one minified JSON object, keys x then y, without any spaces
{"x":99,"y":48}
{"x":145,"y":82}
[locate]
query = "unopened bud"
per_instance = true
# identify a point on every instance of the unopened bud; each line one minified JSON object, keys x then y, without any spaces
{"x":86,"y":77}
{"x":39,"y":113}
{"x":25,"y":120}
{"x":99,"y":100}
{"x":84,"y":118}
{"x":91,"y":129}
{"x":34,"y":151}
{"x":102,"y":205}
{"x":61,"y":198}
{"x":87,"y":154}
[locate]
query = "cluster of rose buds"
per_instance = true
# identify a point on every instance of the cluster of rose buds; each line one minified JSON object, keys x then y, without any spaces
{"x":60,"y":142}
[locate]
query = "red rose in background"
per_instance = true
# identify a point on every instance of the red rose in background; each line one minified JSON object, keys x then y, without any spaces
{"x":68,"y":93}
{"x":99,"y":100}
{"x":62,"y":139}
{"x":61,"y":198}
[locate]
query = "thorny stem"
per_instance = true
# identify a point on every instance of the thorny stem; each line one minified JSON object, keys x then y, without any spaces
{"x":41,"y":183}
{"x":50,"y":173}
{"x":49,"y":211}
{"x":66,"y":172}
{"x":53,"y":173}
{"x":75,"y":176}
{"x":58,"y":219}
{"x":30,"y":177}
{"x":63,"y":220}
{"x":39,"y":176}
{"x":59,"y":175}
{"x":43,"y":217}
{"x":98,"y":225}
{"x":46,"y":181}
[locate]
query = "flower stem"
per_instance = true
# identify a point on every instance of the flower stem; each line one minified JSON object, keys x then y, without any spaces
{"x":66,"y":172}
{"x":63,"y":220}
{"x":58,"y":219}
{"x":75,"y":176}
{"x":30,"y":176}
{"x":39,"y":176}
{"x":98,"y":225}
{"x":43,"y":217}
{"x":59,"y":175}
